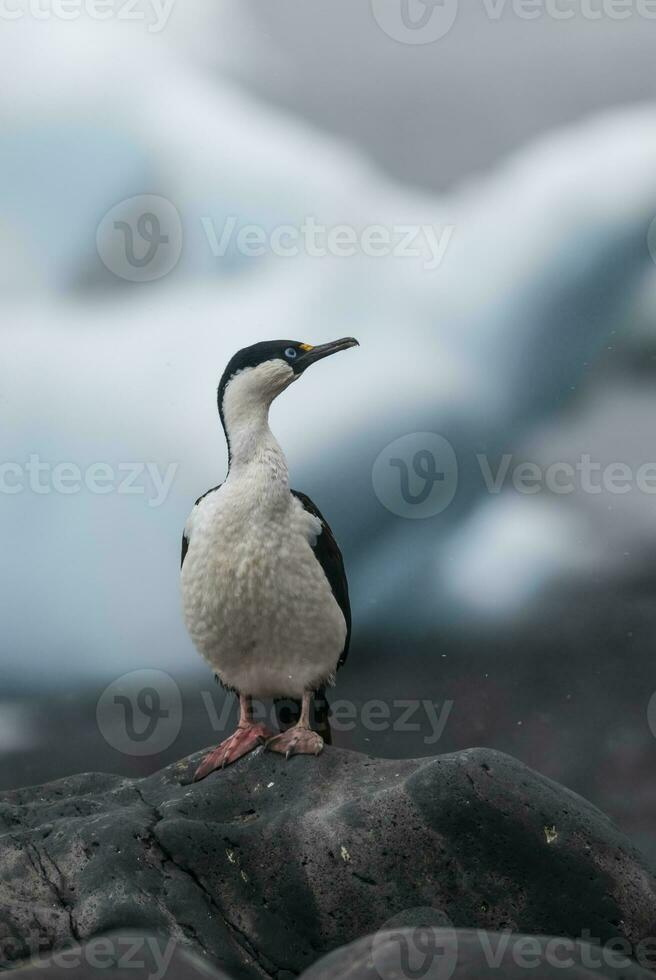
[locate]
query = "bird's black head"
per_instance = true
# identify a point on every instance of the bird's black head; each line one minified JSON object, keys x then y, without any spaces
{"x":257,"y":374}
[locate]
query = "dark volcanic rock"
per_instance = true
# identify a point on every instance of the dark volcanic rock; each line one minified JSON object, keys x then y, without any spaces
{"x":268,"y":865}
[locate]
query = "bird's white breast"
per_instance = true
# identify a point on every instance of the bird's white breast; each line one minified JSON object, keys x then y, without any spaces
{"x":256,"y":601}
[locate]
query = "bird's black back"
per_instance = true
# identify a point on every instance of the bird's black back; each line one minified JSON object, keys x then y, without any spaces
{"x":327,"y":553}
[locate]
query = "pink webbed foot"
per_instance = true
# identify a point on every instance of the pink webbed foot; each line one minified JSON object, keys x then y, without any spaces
{"x":244,"y":740}
{"x":297,"y":740}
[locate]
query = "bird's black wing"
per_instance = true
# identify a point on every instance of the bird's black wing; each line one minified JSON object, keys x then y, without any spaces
{"x":185,"y":539}
{"x":329,"y":556}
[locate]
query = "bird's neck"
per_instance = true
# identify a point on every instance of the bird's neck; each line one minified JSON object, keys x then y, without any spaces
{"x":253,"y":448}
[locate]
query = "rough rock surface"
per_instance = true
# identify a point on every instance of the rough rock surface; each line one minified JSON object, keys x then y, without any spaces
{"x":269,"y":865}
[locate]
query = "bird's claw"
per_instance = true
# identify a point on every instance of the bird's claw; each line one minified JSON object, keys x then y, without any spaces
{"x":240,"y":743}
{"x":296,"y":741}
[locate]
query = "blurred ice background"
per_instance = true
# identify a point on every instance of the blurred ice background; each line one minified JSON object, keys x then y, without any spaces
{"x":534,"y":141}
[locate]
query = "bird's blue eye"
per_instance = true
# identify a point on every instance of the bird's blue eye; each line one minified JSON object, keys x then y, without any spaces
{"x":291,"y":353}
